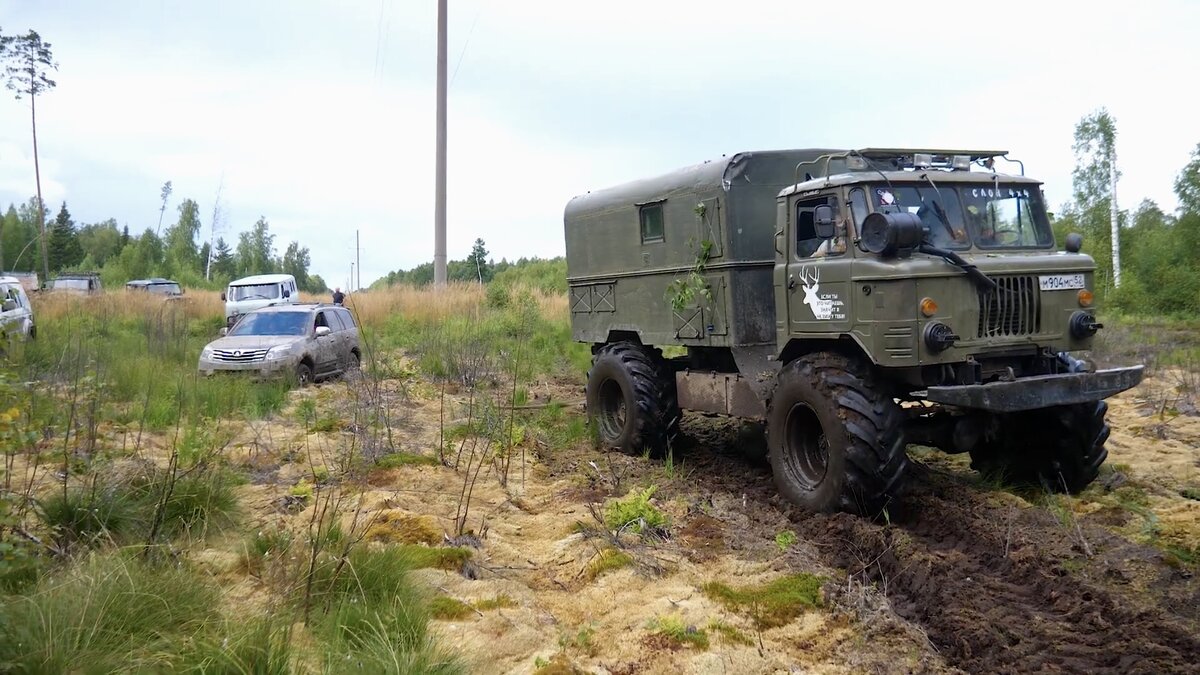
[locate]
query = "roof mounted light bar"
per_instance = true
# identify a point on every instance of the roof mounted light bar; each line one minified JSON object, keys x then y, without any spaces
{"x":899,"y":159}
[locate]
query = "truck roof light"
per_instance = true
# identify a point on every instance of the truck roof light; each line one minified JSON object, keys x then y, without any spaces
{"x":856,"y":163}
{"x":961,"y":163}
{"x":922,"y":160}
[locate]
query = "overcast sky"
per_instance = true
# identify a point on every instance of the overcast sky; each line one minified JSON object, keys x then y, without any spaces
{"x":320,"y":115}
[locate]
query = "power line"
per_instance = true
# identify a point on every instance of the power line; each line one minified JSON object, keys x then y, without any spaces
{"x":466,"y":42}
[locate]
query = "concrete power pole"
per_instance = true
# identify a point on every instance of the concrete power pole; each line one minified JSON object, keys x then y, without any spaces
{"x":1113,"y":214}
{"x":439,"y":209}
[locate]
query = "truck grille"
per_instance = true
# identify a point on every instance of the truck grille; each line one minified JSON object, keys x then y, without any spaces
{"x":239,"y":355}
{"x":1011,"y":309}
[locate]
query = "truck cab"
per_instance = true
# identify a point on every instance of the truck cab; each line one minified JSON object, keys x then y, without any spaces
{"x":254,"y":292}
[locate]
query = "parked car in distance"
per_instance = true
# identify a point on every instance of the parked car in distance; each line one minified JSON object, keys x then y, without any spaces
{"x":248,"y":294}
{"x":306,"y":341}
{"x":76,"y":282}
{"x":16,"y":317}
{"x":156,"y":285}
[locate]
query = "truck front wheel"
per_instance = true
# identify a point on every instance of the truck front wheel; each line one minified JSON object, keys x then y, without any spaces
{"x":629,"y":398}
{"x":1060,"y":448}
{"x":836,"y":440}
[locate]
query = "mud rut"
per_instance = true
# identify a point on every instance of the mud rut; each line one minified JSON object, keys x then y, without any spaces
{"x":987,"y":582}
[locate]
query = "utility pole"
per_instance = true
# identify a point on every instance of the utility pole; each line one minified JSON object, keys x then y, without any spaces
{"x":1113,"y":215}
{"x":439,"y":208}
{"x":350,"y":283}
{"x":358,"y":257}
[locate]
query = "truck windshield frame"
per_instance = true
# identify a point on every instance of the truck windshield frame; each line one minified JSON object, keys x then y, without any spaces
{"x":989,"y":216}
{"x":253,"y":291}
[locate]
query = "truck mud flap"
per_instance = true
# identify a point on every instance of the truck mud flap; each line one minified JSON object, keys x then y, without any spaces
{"x":1040,"y":391}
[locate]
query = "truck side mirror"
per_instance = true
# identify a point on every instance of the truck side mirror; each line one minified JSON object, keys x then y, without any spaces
{"x":823,"y":220}
{"x":222,"y":296}
{"x":287,"y":293}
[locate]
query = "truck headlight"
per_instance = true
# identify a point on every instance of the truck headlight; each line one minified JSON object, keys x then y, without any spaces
{"x":939,"y":337}
{"x":1084,"y":325}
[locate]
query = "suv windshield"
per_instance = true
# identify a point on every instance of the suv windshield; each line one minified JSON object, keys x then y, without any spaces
{"x":994,"y":215}
{"x":1007,"y":216}
{"x":273,"y":323}
{"x":938,"y":209}
{"x":265,"y":291}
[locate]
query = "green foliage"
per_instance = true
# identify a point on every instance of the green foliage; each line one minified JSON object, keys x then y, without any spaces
{"x":771,"y":605}
{"x":634,"y":512}
{"x":693,"y":288}
{"x":440,"y":557}
{"x":399,"y":459}
{"x":784,"y":540}
{"x":63,"y":246}
{"x":677,"y":632}
{"x":19,"y":561}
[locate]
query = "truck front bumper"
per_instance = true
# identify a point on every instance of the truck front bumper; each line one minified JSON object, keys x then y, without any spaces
{"x":1040,"y":391}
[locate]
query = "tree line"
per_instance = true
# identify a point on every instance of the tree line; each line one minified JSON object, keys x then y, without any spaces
{"x":118,"y":256}
{"x":547,"y":274}
{"x":1159,"y":251}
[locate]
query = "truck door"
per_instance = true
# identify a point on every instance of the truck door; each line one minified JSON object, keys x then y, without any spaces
{"x":818,"y":270}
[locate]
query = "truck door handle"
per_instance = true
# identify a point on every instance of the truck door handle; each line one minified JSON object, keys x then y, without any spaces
{"x":791,"y":281}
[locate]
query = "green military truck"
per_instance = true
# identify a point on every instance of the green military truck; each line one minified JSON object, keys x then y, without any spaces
{"x":855,"y":302}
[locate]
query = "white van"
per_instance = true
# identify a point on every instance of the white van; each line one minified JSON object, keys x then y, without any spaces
{"x":16,"y":317}
{"x":251,"y":293}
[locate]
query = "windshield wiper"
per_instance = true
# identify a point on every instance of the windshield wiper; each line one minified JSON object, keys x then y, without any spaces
{"x":955,"y":259}
{"x":937,"y":207}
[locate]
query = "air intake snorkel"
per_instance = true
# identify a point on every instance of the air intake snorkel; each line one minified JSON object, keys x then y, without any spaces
{"x":898,"y":234}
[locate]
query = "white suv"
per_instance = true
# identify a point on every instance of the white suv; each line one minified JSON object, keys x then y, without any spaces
{"x":17,"y":315}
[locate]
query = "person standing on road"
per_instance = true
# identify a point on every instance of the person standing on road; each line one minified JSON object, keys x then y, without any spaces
{"x":338,"y":296}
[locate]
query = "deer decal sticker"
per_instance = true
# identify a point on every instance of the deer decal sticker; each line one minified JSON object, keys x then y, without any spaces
{"x":810,"y":280}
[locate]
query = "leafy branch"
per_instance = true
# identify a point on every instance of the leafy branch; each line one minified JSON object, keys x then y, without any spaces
{"x":685,"y":291}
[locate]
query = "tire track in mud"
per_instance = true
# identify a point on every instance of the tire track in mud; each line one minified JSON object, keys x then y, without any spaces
{"x":992,"y":598}
{"x":986,"y":582}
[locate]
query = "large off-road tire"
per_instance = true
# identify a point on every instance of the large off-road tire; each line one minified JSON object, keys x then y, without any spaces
{"x":631,"y":398}
{"x":1061,"y":448}
{"x":835,"y":436}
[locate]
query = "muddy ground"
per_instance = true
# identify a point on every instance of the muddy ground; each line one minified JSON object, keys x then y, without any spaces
{"x":968,"y":577}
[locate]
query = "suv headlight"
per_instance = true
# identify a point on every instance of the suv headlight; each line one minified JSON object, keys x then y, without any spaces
{"x":280,"y":352}
{"x":206,"y":353}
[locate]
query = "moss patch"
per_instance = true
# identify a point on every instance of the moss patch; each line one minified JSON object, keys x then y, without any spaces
{"x":447,"y":608}
{"x":446,"y":558}
{"x":634,"y":512}
{"x":679,"y":634}
{"x":774,"y":604}
{"x":399,"y":459}
{"x":605,"y":561}
{"x":498,"y":602}
{"x":398,"y":527}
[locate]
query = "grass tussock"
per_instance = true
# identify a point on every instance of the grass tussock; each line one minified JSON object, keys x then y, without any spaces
{"x":397,"y":527}
{"x":771,"y":605}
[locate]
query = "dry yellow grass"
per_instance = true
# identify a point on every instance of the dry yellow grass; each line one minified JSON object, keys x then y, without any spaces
{"x":123,"y":304}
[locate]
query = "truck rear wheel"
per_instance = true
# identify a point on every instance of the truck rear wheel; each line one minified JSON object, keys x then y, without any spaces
{"x":1060,"y":448}
{"x":836,"y":440}
{"x":630,"y":398}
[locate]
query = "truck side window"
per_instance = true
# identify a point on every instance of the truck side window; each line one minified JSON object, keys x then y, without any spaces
{"x":808,"y":244}
{"x":651,"y":217}
{"x":858,"y":207}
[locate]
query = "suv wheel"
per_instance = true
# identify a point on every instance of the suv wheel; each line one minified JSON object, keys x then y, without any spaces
{"x":303,"y":374}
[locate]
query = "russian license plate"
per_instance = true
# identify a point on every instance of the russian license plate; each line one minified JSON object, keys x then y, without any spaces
{"x":1061,"y":282}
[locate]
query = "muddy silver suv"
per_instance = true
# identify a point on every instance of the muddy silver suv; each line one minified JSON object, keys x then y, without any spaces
{"x":309,"y":341}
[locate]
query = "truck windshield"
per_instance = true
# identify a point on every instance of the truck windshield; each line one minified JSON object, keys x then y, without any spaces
{"x":273,"y":323}
{"x":263,"y":291}
{"x":939,"y":209}
{"x":71,"y":284}
{"x":1007,"y":216}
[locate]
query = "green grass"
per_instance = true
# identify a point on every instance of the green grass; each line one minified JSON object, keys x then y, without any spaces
{"x":729,"y":634}
{"x":108,"y":613}
{"x":372,"y":618}
{"x":770,"y":605}
{"x":441,"y":557}
{"x":396,"y":460}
